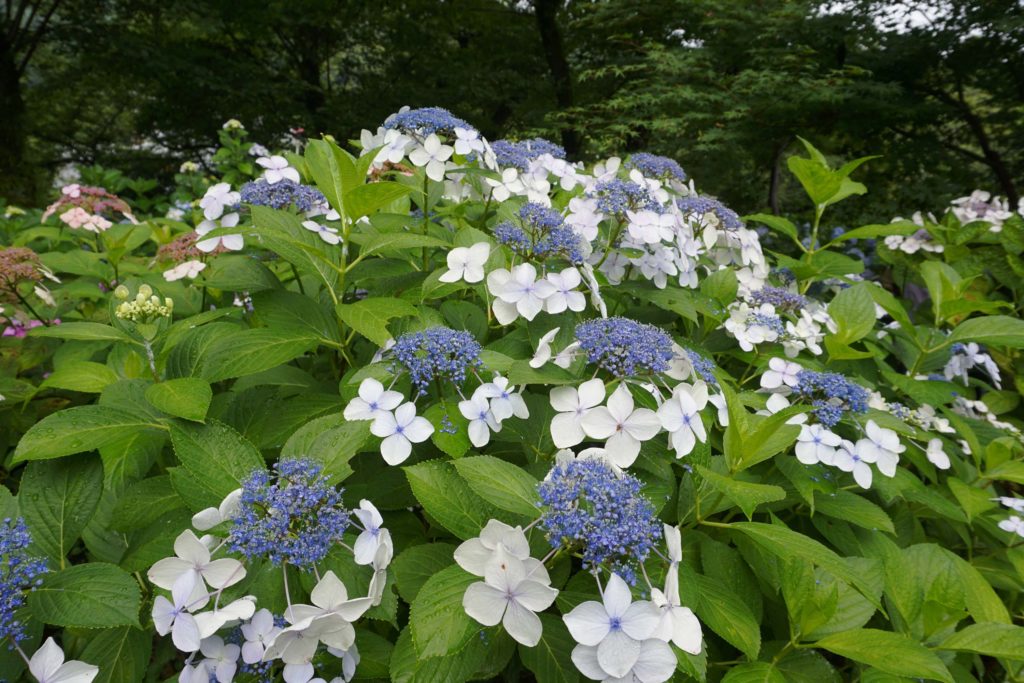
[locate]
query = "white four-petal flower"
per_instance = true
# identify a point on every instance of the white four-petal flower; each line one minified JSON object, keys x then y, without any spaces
{"x":511,"y":595}
{"x":624,"y":427}
{"x":573,"y":405}
{"x":467,"y":263}
{"x":400,"y":430}
{"x":48,"y":666}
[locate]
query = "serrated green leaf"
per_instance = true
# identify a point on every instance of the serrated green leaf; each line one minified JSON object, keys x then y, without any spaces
{"x":93,"y":595}
{"x":448,"y":498}
{"x":501,"y":483}
{"x":890,"y":652}
{"x":187,"y":397}
{"x":57,"y":500}
{"x":370,"y":317}
{"x":79,"y":429}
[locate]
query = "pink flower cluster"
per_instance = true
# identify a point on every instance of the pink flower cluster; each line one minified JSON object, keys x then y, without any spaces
{"x":82,"y":206}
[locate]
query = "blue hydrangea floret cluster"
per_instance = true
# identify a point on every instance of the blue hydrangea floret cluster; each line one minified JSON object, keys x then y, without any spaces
{"x":624,"y":347}
{"x":293,"y":515}
{"x":426,"y":120}
{"x":832,"y":395}
{"x":615,"y":197}
{"x":519,"y":154}
{"x":589,"y":507}
{"x":19,"y":572}
{"x":654,"y":166}
{"x":542,"y":234}
{"x":702,"y":206}
{"x":703,"y":366}
{"x":779,"y":297}
{"x":437,"y":353}
{"x":282,"y":195}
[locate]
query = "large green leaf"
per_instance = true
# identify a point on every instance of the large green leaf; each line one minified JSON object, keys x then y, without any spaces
{"x":501,"y":483}
{"x":217,"y":456}
{"x":364,"y":200}
{"x":439,"y":624}
{"x":996,"y":330}
{"x":890,"y":652}
{"x":122,"y":654}
{"x":370,"y":317}
{"x":81,"y":375}
{"x":82,"y":331}
{"x":747,"y":495}
{"x":722,"y":610}
{"x":550,"y":661}
{"x":78,"y":429}
{"x":415,"y":565}
{"x":448,"y":498}
{"x":187,"y":397}
{"x":247,"y":352}
{"x":93,"y":595}
{"x":57,"y":500}
{"x":998,"y":640}
{"x":854,"y":312}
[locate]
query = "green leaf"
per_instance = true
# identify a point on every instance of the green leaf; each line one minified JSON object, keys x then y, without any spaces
{"x":722,"y":610}
{"x":854,"y":312}
{"x":57,"y":500}
{"x":438,"y":622}
{"x":188,"y":397}
{"x":389,"y":241}
{"x":448,"y":498}
{"x":331,"y":441}
{"x":1005,"y":641}
{"x":994,"y":330}
{"x":455,"y":668}
{"x":364,"y":200}
{"x":122,"y":654}
{"x":332,"y":170}
{"x":892,"y":653}
{"x":754,"y":672}
{"x":144,"y":502}
{"x":247,"y":352}
{"x":776,"y":223}
{"x":93,"y":595}
{"x":454,"y":444}
{"x":786,"y":543}
{"x":217,"y":456}
{"x":237,"y":273}
{"x":854,"y":509}
{"x":745,"y":494}
{"x":82,"y":332}
{"x":501,"y":483}
{"x":550,"y":661}
{"x":78,"y":429}
{"x":867,"y":232}
{"x":81,"y":375}
{"x":520,"y":373}
{"x":819,"y":181}
{"x":415,"y":565}
{"x":721,"y":286}
{"x":370,"y":317}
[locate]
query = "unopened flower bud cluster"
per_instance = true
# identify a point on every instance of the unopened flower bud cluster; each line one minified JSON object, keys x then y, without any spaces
{"x":145,"y":308}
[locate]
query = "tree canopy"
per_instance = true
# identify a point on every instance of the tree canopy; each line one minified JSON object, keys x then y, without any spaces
{"x":936,"y":88}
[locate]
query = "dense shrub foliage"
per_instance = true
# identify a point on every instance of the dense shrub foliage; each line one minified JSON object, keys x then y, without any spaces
{"x":447,"y":410}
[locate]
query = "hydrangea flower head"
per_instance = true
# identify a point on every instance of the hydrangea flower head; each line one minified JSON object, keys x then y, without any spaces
{"x":703,"y":366}
{"x":625,"y":347}
{"x":283,"y":194}
{"x":437,"y":353}
{"x":616,"y":197}
{"x":782,"y":299}
{"x":832,"y":394}
{"x":519,"y":154}
{"x":702,"y":206}
{"x":589,"y":506}
{"x":18,"y":571}
{"x":542,"y":234}
{"x":425,"y":121}
{"x":654,"y":166}
{"x":293,"y":515}
{"x":17,"y":264}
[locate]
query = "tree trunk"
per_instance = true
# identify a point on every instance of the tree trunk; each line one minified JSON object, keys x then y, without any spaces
{"x":14,"y":182}
{"x":546,"y":12}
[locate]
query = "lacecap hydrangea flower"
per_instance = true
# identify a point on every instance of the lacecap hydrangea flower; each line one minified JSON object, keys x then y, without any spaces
{"x":625,"y":347}
{"x":281,"y":195}
{"x":292,"y":515}
{"x":19,"y":572}
{"x":436,"y":353}
{"x":587,"y":505}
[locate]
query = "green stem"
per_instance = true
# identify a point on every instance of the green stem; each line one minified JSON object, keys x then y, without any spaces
{"x":27,"y":305}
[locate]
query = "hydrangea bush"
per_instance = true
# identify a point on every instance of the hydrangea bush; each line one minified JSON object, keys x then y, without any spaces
{"x":427,"y":407}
